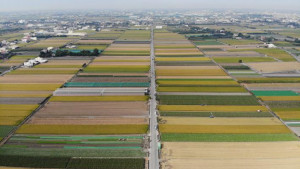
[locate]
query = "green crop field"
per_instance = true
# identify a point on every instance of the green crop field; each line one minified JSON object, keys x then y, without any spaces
{"x":207,"y":42}
{"x":239,"y":42}
{"x":243,"y":59}
{"x":206,"y":100}
{"x":274,"y":93}
{"x":4,"y":130}
{"x":91,"y":47}
{"x":107,"y":163}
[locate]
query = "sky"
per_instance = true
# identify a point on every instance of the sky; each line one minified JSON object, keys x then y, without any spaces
{"x":26,"y":5}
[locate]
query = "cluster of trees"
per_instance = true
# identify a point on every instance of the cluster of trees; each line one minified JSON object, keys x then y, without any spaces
{"x":95,"y":52}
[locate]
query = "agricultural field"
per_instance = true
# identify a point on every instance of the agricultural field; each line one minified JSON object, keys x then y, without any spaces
{"x":93,"y":42}
{"x":62,"y":151}
{"x":135,"y":35}
{"x":23,"y":90}
{"x":243,"y":59}
{"x":51,"y":42}
{"x":200,"y":104}
{"x":207,"y":42}
{"x":104,"y":35}
{"x":75,"y":131}
{"x":275,"y":67}
{"x":215,"y":155}
{"x":276,"y":53}
{"x":239,"y":42}
{"x":16,"y":60}
{"x":127,"y":50}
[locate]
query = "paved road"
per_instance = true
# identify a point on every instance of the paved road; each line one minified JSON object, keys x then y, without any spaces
{"x":153,"y":156}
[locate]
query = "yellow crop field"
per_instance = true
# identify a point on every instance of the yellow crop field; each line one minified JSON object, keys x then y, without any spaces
{"x":11,"y":107}
{"x":83,"y":129}
{"x":280,"y":98}
{"x":190,"y":72}
{"x":211,"y":108}
{"x":97,"y":98}
{"x":11,"y":121}
{"x":190,"y":82}
{"x":219,"y":121}
{"x":24,"y":95}
{"x":288,"y":114}
{"x":38,"y":71}
{"x":29,"y":87}
{"x":178,"y":59}
{"x":225,"y":129}
{"x":14,"y":113}
{"x":201,"y":89}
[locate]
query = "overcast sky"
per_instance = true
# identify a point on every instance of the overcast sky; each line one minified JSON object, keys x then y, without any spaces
{"x":21,"y":5}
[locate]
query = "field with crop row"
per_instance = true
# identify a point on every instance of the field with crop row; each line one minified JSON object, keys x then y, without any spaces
{"x":231,"y":155}
{"x":97,"y":98}
{"x":202,"y":89}
{"x":206,"y":100}
{"x":83,"y":129}
{"x":276,"y":53}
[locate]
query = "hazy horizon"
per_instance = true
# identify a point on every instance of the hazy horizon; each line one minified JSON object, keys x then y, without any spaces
{"x":27,"y":5}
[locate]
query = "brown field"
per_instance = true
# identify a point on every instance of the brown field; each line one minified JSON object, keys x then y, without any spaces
{"x":111,"y":79}
{"x":120,"y":63}
{"x":270,"y":67}
{"x":224,"y":129}
{"x":193,"y":77}
{"x":67,"y":109}
{"x":187,"y":67}
{"x":224,"y":53}
{"x":35,"y":78}
{"x":238,"y":155}
{"x":188,"y":71}
{"x":89,"y":120}
{"x":219,"y":121}
{"x":117,"y":74}
{"x":105,"y":58}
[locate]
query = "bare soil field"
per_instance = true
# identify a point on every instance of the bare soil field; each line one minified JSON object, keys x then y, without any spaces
{"x":60,"y":109}
{"x":246,"y":155}
{"x":275,"y":66}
